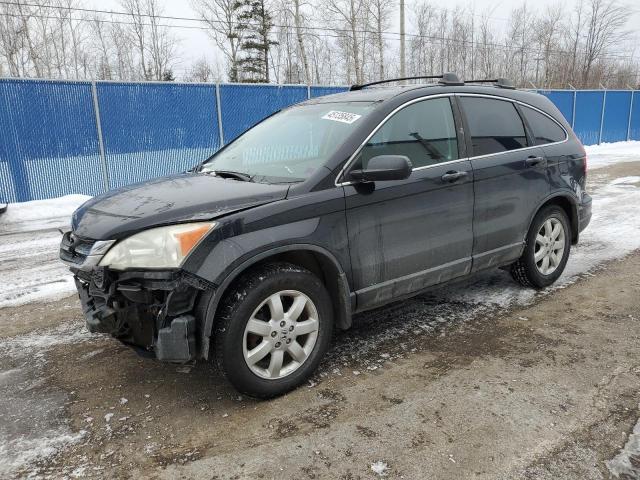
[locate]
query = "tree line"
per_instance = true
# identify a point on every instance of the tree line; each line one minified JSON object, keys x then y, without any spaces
{"x":587,"y":45}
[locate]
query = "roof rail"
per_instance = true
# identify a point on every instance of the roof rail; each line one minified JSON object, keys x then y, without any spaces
{"x":450,"y":79}
{"x":500,"y":82}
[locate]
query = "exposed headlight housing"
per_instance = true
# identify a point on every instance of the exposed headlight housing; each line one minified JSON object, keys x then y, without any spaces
{"x":162,"y":247}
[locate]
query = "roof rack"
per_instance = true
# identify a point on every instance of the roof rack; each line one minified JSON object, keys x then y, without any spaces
{"x":500,"y":82}
{"x":450,"y":79}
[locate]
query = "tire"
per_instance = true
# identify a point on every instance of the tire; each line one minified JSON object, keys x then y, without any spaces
{"x":240,"y":345}
{"x":531,"y":272}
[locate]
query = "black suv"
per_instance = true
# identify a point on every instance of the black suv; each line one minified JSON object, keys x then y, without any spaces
{"x":333,"y":206}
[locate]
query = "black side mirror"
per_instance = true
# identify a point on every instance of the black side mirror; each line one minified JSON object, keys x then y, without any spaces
{"x":383,"y":167}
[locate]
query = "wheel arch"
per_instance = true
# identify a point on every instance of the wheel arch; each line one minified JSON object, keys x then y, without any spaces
{"x":314,"y":258}
{"x":569,"y":204}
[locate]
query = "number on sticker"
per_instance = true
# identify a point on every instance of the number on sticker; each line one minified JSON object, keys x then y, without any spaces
{"x":344,"y":117}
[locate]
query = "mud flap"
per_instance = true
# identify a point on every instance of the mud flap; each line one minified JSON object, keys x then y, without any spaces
{"x":177,"y":342}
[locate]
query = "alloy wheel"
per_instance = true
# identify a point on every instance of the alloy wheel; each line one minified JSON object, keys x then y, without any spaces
{"x":550,"y":244}
{"x":280,"y":334}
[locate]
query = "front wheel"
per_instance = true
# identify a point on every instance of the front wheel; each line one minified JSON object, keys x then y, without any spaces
{"x":274,"y":326}
{"x":547,"y":249}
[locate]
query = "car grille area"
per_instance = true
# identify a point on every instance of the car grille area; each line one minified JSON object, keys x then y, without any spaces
{"x":74,"y":250}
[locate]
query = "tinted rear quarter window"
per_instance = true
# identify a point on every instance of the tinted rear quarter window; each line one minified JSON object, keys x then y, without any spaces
{"x":495,"y":125}
{"x":543,"y":128}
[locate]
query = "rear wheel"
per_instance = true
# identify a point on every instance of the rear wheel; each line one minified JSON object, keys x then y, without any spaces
{"x":274,"y":326}
{"x":547,"y":249}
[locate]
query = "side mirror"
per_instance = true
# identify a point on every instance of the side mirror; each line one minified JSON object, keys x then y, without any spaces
{"x":382,"y":168}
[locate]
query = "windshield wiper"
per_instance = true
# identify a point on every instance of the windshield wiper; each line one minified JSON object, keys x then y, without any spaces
{"x":245,"y":177}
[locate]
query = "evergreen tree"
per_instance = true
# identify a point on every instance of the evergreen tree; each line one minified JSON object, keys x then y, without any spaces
{"x":256,"y":22}
{"x":167,"y":76}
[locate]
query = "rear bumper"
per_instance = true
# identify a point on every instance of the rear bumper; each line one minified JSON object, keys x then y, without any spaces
{"x":584,"y":212}
{"x":152,"y":311}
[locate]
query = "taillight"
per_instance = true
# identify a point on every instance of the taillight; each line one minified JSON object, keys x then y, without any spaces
{"x":584,"y":161}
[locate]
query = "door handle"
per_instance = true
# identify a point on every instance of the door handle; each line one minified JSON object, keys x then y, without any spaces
{"x":534,"y":161}
{"x":453,"y":176}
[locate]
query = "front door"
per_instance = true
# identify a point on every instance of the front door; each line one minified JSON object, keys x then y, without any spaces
{"x":409,"y":234}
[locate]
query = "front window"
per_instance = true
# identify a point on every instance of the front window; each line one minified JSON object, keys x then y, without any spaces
{"x":425,"y":132}
{"x":292,"y":144}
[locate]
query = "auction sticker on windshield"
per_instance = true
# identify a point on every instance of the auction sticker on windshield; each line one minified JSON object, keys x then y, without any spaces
{"x":344,"y":117}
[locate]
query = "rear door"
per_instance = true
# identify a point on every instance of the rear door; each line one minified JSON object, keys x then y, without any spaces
{"x":408,"y":234}
{"x":510,"y":178}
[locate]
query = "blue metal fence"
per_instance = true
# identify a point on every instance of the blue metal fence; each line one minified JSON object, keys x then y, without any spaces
{"x":48,"y":141}
{"x":59,"y":137}
{"x":599,"y":116}
{"x":155,"y":129}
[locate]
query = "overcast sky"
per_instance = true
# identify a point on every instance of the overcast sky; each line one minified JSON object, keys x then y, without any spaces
{"x":196,"y":44}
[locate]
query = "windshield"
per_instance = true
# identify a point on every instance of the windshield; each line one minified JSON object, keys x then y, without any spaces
{"x":292,"y":144}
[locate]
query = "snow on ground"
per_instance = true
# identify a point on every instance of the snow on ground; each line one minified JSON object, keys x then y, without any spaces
{"x":35,"y":345}
{"x":607,"y":154}
{"x":29,"y":241}
{"x":31,"y":427}
{"x":627,"y":463}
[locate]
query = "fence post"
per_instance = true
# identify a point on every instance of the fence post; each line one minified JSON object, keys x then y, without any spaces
{"x":630,"y":114}
{"x":103,"y":158}
{"x":219,"y":113}
{"x":308,"y":92}
{"x":604,"y":104}
{"x":573,"y":111}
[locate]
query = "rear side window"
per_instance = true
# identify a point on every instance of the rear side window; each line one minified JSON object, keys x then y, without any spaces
{"x":424,"y":131}
{"x":495,"y":125}
{"x":543,"y":128}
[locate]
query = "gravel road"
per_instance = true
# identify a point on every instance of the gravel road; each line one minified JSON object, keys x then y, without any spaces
{"x":479,"y":379}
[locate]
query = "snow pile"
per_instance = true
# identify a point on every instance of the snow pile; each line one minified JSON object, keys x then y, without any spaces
{"x":607,"y":154}
{"x":614,"y":230}
{"x":627,"y":463}
{"x":40,"y":214}
{"x":380,"y":468}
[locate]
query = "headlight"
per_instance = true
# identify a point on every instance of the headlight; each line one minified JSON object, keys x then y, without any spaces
{"x":163,"y":247}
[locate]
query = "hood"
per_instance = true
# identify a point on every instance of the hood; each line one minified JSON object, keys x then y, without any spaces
{"x":174,"y":199}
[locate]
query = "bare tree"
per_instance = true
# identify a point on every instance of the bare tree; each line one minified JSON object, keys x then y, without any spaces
{"x":12,"y":41}
{"x":520,"y":35}
{"x":548,"y":30}
{"x":487,"y":53}
{"x":380,"y":12}
{"x":221,"y":16}
{"x":298,"y":20}
{"x":138,"y":35}
{"x":156,"y":46}
{"x":203,"y":71}
{"x":422,"y":51}
{"x":162,"y":43}
{"x":605,"y":27}
{"x":350,"y":16}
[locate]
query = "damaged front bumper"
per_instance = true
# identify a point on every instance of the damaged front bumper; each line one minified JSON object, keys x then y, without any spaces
{"x":151,"y":310}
